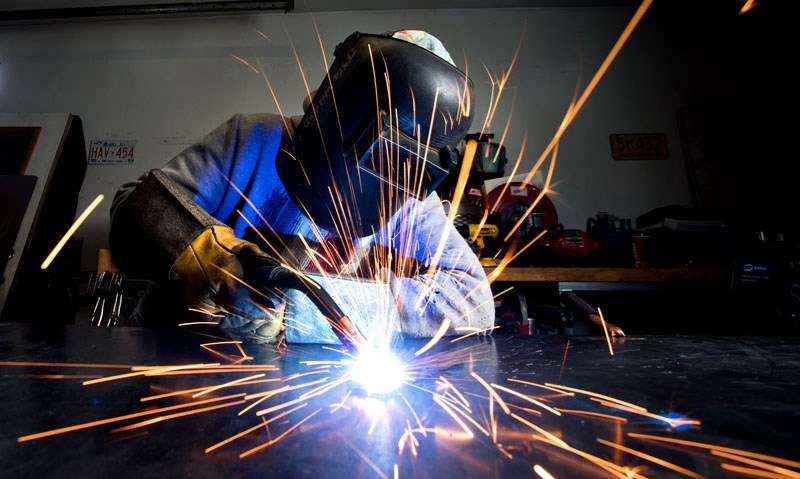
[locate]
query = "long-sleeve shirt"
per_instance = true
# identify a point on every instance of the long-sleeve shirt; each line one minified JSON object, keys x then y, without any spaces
{"x":230,"y":177}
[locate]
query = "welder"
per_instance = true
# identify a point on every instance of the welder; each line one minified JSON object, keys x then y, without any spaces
{"x":224,"y":228}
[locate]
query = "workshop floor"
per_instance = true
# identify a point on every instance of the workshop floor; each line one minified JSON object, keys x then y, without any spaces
{"x":480,"y":407}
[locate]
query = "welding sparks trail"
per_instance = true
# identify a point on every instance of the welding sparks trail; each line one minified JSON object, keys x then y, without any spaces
{"x":450,"y":402}
{"x":390,"y":404}
{"x":605,"y":331}
{"x":71,"y":231}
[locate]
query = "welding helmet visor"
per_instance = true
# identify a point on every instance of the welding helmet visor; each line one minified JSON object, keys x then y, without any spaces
{"x":382,"y":127}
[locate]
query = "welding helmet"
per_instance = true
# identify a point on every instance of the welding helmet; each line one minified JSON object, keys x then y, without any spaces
{"x":382,"y":127}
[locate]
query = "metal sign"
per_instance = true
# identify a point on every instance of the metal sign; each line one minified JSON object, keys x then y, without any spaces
{"x":646,"y":146}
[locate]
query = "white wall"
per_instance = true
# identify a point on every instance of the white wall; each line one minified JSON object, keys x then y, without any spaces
{"x":166,"y":82}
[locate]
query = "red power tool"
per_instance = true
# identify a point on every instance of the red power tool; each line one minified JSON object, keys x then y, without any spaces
{"x":522,"y":212}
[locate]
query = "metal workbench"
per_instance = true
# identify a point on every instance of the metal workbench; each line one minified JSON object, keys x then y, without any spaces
{"x":567,"y":405}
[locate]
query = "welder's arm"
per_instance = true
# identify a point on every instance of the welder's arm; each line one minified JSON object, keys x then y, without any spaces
{"x":450,"y":286}
{"x":156,"y":217}
{"x":161,"y":233}
{"x":162,"y":228}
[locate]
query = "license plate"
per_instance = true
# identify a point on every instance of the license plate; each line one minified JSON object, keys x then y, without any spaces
{"x":106,"y":152}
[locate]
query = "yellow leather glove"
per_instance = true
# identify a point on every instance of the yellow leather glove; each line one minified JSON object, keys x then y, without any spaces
{"x":212,"y":271}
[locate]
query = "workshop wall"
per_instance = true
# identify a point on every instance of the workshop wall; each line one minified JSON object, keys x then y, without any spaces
{"x":165,"y":82}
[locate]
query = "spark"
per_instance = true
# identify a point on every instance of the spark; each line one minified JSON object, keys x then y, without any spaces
{"x":59,"y":376}
{"x":527,"y":398}
{"x":242,"y":354}
{"x":675,"y":423}
{"x":611,"y":400}
{"x":605,"y":330}
{"x":748,"y":5}
{"x":535,"y":202}
{"x":752,"y":472}
{"x":414,"y":413}
{"x":614,"y":469}
{"x":448,"y":385}
{"x":712,"y":447}
{"x":653,"y":459}
{"x":239,"y":435}
{"x":542,"y":472}
{"x":228,"y":384}
{"x":572,"y":112}
{"x":563,"y":360}
{"x":245,"y":63}
{"x":452,"y":407}
{"x":593,"y":414}
{"x":436,"y":337}
{"x":498,"y":87}
{"x":548,"y":435}
{"x":180,"y":371}
{"x":263,"y":424}
{"x":552,"y":148}
{"x":263,"y":397}
{"x":86,"y":425}
{"x":176,"y":415}
{"x":282,"y":405}
{"x":146,"y":371}
{"x":556,"y":390}
{"x":452,"y":412}
{"x":172,"y":394}
{"x":71,"y":231}
{"x":64,"y":365}
{"x":284,"y":434}
{"x":495,"y":273}
{"x":760,"y":464}
{"x":363,"y":456}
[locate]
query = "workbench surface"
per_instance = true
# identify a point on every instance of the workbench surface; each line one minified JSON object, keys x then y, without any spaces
{"x":567,"y":405}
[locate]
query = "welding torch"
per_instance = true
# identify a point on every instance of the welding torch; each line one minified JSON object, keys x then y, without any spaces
{"x":279,"y":277}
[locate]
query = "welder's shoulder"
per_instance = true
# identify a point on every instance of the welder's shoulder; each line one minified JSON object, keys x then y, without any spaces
{"x":123,"y":192}
{"x":256,"y":121}
{"x":255,"y":128}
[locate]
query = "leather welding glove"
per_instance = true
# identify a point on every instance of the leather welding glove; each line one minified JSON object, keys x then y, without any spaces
{"x":213,"y":270}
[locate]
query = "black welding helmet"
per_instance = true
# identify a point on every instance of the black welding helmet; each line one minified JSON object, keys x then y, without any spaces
{"x":382,"y":127}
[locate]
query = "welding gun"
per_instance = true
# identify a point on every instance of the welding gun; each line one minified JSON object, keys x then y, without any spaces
{"x":269,"y":276}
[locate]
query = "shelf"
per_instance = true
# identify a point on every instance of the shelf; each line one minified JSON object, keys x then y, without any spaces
{"x":599,"y":274}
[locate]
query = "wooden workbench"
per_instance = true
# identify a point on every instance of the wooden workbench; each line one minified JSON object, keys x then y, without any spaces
{"x":602,"y":274}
